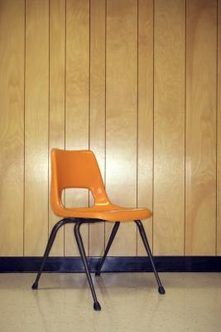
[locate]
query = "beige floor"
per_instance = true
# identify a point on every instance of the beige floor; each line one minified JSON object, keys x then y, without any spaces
{"x":130,"y":302}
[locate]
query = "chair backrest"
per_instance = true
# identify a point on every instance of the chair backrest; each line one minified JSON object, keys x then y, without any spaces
{"x":76,"y":169}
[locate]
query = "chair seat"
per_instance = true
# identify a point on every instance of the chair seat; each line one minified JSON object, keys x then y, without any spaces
{"x":108,"y":212}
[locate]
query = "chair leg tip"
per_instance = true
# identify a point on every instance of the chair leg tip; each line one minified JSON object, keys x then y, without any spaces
{"x":35,"y":285}
{"x":161,"y":290}
{"x":97,"y":306}
{"x":97,"y":273}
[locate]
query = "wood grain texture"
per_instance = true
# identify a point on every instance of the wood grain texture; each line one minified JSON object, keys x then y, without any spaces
{"x":169,"y":92}
{"x":36,"y":126}
{"x":57,"y":99}
{"x":218,"y":240}
{"x":201,"y":127}
{"x":145,"y":114}
{"x":121,"y":115}
{"x":11,"y":127}
{"x":97,"y":106}
{"x":110,"y":75}
{"x":77,"y":101}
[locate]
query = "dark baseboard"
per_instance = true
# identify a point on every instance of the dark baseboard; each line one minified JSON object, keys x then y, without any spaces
{"x":113,"y":264}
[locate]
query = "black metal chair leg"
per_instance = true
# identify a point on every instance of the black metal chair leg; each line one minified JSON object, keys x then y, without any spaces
{"x":147,"y":247}
{"x":78,"y":237}
{"x":48,"y":249}
{"x":112,"y":236}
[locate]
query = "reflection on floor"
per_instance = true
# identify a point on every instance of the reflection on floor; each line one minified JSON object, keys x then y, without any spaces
{"x":130,"y":302}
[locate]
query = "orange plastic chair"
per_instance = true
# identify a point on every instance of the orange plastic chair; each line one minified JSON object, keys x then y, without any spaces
{"x":79,"y":169}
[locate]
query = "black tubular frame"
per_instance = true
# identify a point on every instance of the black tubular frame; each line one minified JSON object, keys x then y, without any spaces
{"x":111,"y":239}
{"x":80,"y":244}
{"x":78,"y":222}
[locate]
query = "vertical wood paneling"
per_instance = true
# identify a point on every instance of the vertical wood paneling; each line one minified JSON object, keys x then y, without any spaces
{"x":11,"y":126}
{"x":219,"y":134}
{"x":121,"y":114}
{"x":145,"y":113}
{"x":169,"y":92}
{"x":57,"y":98}
{"x":77,"y":100}
{"x":97,"y":106}
{"x":109,"y":75}
{"x":36,"y":126}
{"x":201,"y":127}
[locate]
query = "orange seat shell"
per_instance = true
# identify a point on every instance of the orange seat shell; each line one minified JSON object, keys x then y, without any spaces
{"x":79,"y":169}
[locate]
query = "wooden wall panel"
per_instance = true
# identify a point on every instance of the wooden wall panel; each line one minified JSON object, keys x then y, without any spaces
{"x":97,"y":105}
{"x":121,"y":115}
{"x":112,"y":75}
{"x":219,"y":134}
{"x":11,"y":126}
{"x":201,"y":127}
{"x":77,"y":100}
{"x":145,"y":114}
{"x":36,"y":126}
{"x":57,"y":99}
{"x":169,"y":96}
